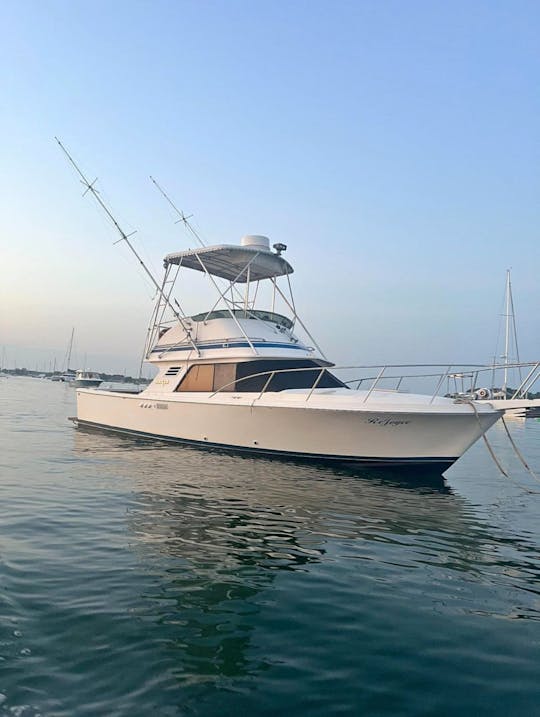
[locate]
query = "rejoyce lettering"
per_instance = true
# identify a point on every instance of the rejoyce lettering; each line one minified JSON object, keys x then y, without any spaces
{"x":380,"y":421}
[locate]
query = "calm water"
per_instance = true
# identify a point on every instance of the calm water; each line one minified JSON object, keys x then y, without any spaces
{"x":139,"y":579}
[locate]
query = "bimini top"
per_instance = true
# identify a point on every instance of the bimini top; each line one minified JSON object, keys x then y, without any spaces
{"x":240,"y":264}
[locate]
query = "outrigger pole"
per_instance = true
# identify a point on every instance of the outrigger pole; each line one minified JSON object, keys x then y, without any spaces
{"x":180,"y":213}
{"x":125,"y":237}
{"x":189,"y":227}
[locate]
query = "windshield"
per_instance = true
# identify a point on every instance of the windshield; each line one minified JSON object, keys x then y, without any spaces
{"x":243,"y":314}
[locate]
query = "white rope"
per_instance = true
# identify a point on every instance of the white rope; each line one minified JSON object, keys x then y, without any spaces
{"x":518,"y":452}
{"x":492,"y":452}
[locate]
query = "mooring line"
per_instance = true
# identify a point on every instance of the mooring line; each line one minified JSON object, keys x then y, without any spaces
{"x":505,"y":473}
{"x":518,"y":452}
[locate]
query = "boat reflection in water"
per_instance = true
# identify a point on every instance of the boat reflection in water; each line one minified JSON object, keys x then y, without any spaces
{"x":241,"y":550}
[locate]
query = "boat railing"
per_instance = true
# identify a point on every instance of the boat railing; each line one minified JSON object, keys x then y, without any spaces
{"x":468,"y":375}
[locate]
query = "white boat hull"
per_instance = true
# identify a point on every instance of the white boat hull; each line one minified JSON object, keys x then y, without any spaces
{"x":374,"y":435}
{"x":87,"y":382}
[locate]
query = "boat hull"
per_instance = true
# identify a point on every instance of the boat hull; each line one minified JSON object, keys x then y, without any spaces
{"x":373,"y":437}
{"x":87,"y":382}
{"x":436,"y":463}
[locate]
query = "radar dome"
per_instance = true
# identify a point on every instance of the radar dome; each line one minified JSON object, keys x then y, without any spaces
{"x":257,"y":241}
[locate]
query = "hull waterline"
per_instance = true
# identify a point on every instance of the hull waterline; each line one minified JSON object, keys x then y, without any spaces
{"x":87,"y":383}
{"x":435,"y":464}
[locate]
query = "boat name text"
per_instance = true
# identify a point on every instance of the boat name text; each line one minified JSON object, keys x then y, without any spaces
{"x":385,"y":421}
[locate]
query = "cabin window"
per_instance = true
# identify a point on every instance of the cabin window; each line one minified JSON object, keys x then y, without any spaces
{"x":213,"y":377}
{"x":198,"y":378}
{"x":285,"y":379}
{"x":209,"y":377}
{"x":224,"y":376}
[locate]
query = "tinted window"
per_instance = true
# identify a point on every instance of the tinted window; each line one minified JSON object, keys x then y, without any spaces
{"x":224,"y":376}
{"x":285,"y":380}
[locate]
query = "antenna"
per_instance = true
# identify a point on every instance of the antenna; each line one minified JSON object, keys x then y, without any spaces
{"x":125,"y":237}
{"x":183,"y":218}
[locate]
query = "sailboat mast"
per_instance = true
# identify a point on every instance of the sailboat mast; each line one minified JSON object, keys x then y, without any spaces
{"x":512,"y":313}
{"x":510,"y":331}
{"x":507,"y":331}
{"x":68,"y":359}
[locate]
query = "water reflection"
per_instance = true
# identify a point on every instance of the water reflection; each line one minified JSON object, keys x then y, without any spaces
{"x":150,"y":579}
{"x":220,"y":530}
{"x":220,"y":534}
{"x":225,"y":512}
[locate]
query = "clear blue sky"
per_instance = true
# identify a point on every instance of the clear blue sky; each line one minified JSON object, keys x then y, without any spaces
{"x":394,"y":146}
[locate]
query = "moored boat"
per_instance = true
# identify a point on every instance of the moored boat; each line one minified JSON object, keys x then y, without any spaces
{"x":86,"y":379}
{"x":239,"y":378}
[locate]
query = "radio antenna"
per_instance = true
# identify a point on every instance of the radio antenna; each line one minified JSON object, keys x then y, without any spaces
{"x":89,"y":187}
{"x":183,"y":218}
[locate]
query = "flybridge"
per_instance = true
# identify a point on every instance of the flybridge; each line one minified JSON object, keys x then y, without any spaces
{"x":243,"y":267}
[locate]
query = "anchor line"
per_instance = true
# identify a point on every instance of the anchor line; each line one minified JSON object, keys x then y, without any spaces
{"x":504,"y":472}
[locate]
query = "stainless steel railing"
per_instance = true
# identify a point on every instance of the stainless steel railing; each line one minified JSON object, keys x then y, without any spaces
{"x":466,"y":373}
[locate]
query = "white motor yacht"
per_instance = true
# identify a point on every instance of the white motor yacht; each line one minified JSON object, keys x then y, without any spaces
{"x":87,"y":379}
{"x":66,"y":377}
{"x":238,"y":377}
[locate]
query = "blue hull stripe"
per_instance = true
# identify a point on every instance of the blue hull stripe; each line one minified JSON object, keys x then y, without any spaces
{"x":230,"y":345}
{"x":443,"y":463}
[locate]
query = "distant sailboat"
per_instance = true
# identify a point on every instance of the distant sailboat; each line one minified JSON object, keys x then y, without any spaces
{"x":510,"y":336}
{"x":69,"y":374}
{"x":515,"y":401}
{"x":3,"y":373}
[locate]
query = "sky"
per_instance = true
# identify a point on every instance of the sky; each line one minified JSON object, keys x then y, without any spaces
{"x":393,"y":146}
